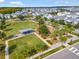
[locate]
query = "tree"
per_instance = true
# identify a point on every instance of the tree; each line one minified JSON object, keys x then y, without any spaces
{"x":76,"y":25}
{"x":62,"y":22}
{"x":3,"y":24}
{"x":3,"y":27}
{"x":21,"y":17}
{"x":7,"y":10}
{"x":29,"y":15}
{"x":68,"y":28}
{"x":2,"y":35}
{"x":63,"y":38}
{"x":41,"y":22}
{"x":63,"y":10}
{"x":54,"y":13}
{"x":54,"y":34}
{"x":45,"y":19}
{"x":52,"y":20}
{"x":38,"y":17}
{"x":55,"y":24}
{"x":43,"y":30}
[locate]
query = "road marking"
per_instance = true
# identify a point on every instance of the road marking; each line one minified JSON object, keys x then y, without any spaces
{"x":74,"y":50}
{"x":77,"y":54}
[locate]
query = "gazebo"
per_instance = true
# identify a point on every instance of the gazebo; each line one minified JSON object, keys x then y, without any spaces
{"x":26,"y":31}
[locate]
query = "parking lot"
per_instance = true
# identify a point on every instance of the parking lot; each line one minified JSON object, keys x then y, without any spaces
{"x":68,"y":53}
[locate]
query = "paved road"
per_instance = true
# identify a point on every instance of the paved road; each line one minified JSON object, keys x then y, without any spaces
{"x":66,"y":53}
{"x":51,"y":48}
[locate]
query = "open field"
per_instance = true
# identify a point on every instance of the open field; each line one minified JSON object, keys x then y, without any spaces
{"x":19,"y":25}
{"x":14,"y":29}
{"x":25,"y":47}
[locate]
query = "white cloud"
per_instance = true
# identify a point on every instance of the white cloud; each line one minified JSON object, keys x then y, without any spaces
{"x":16,"y":3}
{"x":1,"y":1}
{"x":62,"y":1}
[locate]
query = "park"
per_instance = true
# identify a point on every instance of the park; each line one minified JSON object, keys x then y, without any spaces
{"x":25,"y":36}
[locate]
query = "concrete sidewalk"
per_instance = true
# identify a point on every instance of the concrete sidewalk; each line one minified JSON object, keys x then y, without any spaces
{"x":6,"y":50}
{"x":51,"y":48}
{"x":55,"y":46}
{"x":6,"y":45}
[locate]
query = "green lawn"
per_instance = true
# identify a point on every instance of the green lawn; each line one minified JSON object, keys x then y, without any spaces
{"x":2,"y":54}
{"x":25,"y":47}
{"x":19,"y":25}
{"x":1,"y":42}
{"x":14,"y":29}
{"x":77,"y":34}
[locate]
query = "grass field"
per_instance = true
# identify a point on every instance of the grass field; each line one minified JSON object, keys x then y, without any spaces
{"x":25,"y":47}
{"x":14,"y":29}
{"x":19,"y":25}
{"x":2,"y":54}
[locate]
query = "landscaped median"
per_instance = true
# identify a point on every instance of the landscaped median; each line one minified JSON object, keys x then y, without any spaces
{"x":49,"y":52}
{"x":77,"y":34}
{"x":73,"y":42}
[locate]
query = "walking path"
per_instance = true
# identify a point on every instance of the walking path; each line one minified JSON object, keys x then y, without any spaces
{"x":6,"y":50}
{"x":51,"y":48}
{"x":66,"y":44}
{"x":55,"y":46}
{"x":42,"y":39}
{"x":6,"y":43}
{"x":72,"y":39}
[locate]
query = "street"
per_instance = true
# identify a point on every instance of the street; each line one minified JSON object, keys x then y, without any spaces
{"x":65,"y":54}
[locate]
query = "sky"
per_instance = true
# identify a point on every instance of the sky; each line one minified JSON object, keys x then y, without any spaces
{"x":38,"y":3}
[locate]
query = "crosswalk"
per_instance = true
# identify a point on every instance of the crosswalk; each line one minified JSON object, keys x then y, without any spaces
{"x":74,"y":50}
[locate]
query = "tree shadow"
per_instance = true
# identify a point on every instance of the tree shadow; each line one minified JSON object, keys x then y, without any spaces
{"x":9,"y":37}
{"x":2,"y":47}
{"x":11,"y":48}
{"x":9,"y":29}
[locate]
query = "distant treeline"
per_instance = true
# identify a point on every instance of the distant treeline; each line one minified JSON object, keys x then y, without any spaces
{"x":7,"y":10}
